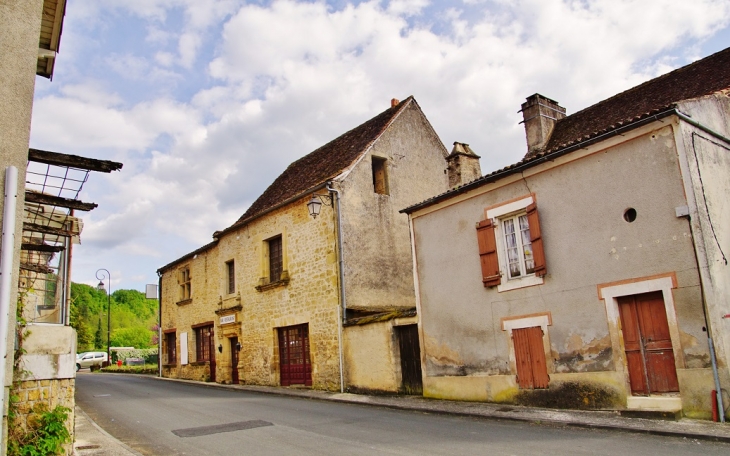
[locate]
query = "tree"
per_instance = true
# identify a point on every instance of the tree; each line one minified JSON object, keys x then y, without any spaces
{"x":137,"y":337}
{"x":98,"y":340}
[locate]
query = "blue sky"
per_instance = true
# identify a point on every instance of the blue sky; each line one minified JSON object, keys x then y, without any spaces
{"x":207,"y":101}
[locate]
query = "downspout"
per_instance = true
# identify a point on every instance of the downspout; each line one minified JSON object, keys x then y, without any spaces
{"x":159,"y":324}
{"x":6,"y":269}
{"x":67,"y":280}
{"x":343,"y":303}
{"x":710,"y":342}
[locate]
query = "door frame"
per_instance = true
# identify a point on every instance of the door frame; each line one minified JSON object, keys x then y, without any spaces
{"x":610,"y":292}
{"x":235,"y":354}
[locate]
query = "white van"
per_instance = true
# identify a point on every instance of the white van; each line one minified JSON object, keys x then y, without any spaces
{"x":90,"y":359}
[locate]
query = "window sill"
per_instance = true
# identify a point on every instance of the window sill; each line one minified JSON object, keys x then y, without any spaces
{"x":184,"y":302}
{"x":269,"y":286}
{"x":524,"y":282}
{"x":170,"y":365}
{"x":199,"y":363}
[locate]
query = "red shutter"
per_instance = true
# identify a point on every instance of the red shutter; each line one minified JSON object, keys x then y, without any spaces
{"x":488,"y":253}
{"x":538,"y":251}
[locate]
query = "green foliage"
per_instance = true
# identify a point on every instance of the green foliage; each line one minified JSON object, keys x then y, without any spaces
{"x":137,"y":336}
{"x":46,"y":432}
{"x":146,"y":369}
{"x":149,"y":354}
{"x":132,"y":316}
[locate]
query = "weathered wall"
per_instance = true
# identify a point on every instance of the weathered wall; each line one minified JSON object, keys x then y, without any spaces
{"x":310,"y":297}
{"x":707,"y":162}
{"x":377,"y":247}
{"x":372,"y":362}
{"x":20,"y":24}
{"x":587,"y":242}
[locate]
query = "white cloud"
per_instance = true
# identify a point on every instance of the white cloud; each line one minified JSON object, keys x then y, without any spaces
{"x":289,"y":76}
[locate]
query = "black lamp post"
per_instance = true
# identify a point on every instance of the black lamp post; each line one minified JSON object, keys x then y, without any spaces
{"x":109,"y":308}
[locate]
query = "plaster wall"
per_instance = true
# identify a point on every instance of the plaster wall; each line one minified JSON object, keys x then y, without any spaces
{"x":707,"y":179}
{"x":377,"y":247}
{"x":587,"y":242}
{"x":20,"y":24}
{"x":373,"y":358}
{"x":310,"y":296}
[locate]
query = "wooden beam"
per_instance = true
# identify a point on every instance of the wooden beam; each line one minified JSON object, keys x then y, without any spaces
{"x":40,"y":269}
{"x":36,"y":228}
{"x":42,"y":198}
{"x":73,"y":161}
{"x":42,"y":248}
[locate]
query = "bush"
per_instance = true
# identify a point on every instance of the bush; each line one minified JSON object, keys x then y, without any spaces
{"x":146,"y":369}
{"x":149,"y":355}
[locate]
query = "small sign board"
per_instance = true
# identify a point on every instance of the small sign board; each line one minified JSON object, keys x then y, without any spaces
{"x":150,"y":291}
{"x":228,"y":319}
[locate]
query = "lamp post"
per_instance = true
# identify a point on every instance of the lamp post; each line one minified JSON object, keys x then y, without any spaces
{"x":109,"y":308}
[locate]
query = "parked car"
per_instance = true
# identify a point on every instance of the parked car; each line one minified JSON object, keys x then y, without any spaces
{"x":91,"y":360}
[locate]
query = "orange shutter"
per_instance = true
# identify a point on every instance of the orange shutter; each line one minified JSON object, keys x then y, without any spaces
{"x":488,"y":253}
{"x":538,"y":251}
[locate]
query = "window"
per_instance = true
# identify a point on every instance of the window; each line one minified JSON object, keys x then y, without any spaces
{"x":231,"y":274}
{"x":170,"y":348}
{"x":275,"y":259}
{"x":510,"y":245}
{"x":380,"y":175}
{"x":530,"y":358}
{"x":203,"y":343}
{"x":184,"y":281}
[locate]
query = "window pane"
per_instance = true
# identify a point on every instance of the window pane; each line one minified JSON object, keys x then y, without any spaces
{"x":510,"y":238}
{"x":275,"y":259}
{"x":526,"y":245}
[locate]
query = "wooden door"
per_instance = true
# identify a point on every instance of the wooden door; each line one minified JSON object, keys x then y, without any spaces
{"x":648,"y":345}
{"x":410,"y":359}
{"x":234,"y":360}
{"x":530,"y":358}
{"x":295,"y":366}
{"x":212,"y":355}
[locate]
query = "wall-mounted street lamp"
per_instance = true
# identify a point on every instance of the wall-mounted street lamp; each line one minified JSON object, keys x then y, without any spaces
{"x":220,"y":348}
{"x":238,"y":346}
{"x":100,"y":287}
{"x":315,"y":204}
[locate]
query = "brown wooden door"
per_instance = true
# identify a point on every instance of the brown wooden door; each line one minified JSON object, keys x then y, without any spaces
{"x":649,"y":352}
{"x":234,"y":360}
{"x":295,"y":366}
{"x":410,"y":359}
{"x":212,"y":355}
{"x":530,"y":358}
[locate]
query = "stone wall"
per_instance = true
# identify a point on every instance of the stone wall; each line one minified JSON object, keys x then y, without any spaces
{"x":50,"y":393}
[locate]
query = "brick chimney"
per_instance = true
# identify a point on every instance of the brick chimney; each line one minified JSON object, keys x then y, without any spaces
{"x":539,"y":114}
{"x":463,"y":165}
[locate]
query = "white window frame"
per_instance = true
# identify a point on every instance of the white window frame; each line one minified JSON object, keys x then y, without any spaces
{"x":498,"y":214}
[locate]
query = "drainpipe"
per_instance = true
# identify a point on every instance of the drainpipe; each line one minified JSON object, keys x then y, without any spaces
{"x":159,"y":324}
{"x":6,"y":269}
{"x":343,"y":303}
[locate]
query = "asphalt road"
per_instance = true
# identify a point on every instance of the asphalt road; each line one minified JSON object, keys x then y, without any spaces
{"x":166,"y":418}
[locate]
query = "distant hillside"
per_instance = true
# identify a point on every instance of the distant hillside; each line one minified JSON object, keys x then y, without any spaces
{"x":133,"y":318}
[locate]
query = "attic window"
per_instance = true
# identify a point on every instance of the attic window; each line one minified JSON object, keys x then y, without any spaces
{"x":380,"y":176}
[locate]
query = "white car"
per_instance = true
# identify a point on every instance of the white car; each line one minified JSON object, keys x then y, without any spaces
{"x":90,"y":359}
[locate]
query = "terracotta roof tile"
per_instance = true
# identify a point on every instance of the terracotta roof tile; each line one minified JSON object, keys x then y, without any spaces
{"x":625,"y":110}
{"x":324,"y":163}
{"x":697,"y":79}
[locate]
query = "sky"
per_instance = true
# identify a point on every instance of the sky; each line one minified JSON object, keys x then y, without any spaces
{"x":206,"y":102}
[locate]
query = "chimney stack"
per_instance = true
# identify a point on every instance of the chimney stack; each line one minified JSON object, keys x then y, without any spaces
{"x":463,"y":165}
{"x":394,"y":102}
{"x":540,"y":114}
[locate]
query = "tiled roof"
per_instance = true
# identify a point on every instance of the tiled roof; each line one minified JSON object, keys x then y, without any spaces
{"x":313,"y":170}
{"x":702,"y":77}
{"x":323,"y":164}
{"x":653,"y":99}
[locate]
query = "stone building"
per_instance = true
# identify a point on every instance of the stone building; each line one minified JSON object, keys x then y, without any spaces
{"x":282,"y":297}
{"x":602,"y":300}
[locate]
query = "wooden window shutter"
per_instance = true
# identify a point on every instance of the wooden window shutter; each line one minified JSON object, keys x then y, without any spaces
{"x":488,"y":253}
{"x":538,"y":251}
